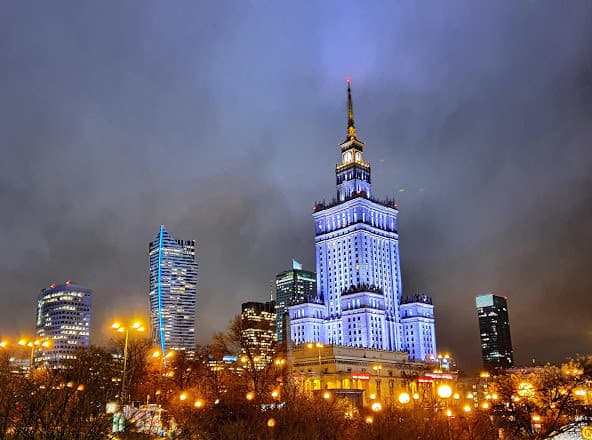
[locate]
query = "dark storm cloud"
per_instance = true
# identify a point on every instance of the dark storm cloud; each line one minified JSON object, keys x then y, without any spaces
{"x":221,"y":121}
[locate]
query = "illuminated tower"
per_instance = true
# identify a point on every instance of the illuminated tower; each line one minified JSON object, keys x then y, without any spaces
{"x":357,"y":261}
{"x":63,"y":320}
{"x":494,"y":327}
{"x":173,"y":292}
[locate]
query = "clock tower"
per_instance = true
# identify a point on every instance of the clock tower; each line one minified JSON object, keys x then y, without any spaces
{"x":353,"y":173}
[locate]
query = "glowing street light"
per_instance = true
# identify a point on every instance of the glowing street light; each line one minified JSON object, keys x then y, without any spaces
{"x":199,"y":403}
{"x":376,"y":407}
{"x":318,"y":345}
{"x":35,"y":344}
{"x":444,"y":391}
{"x":404,"y":398}
{"x":377,"y":369}
{"x":250,"y":395}
{"x":137,"y":326}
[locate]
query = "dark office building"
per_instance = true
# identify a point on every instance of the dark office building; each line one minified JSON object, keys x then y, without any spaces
{"x":294,"y":285}
{"x":494,"y":327}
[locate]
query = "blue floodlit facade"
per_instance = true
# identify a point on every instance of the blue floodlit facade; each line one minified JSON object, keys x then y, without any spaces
{"x":357,"y":262}
{"x":63,"y":320}
{"x":419,"y":329}
{"x":173,"y":292}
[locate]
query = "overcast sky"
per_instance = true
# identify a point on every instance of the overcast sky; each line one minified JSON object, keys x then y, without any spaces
{"x":221,"y":120}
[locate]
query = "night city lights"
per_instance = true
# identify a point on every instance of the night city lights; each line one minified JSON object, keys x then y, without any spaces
{"x":296,"y":220}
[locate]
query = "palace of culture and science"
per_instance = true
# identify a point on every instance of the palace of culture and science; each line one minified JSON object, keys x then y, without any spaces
{"x":359,"y":301}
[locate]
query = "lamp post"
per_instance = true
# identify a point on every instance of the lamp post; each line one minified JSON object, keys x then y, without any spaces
{"x":377,"y":368}
{"x":318,"y":345}
{"x":33,"y":344}
{"x":121,"y":329}
{"x":404,"y":398}
{"x":444,"y":392}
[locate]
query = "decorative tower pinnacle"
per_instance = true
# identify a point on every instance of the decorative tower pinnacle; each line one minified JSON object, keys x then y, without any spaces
{"x":351,"y":128}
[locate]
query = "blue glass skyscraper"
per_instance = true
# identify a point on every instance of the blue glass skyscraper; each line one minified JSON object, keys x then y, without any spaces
{"x":357,"y":261}
{"x":173,"y":292}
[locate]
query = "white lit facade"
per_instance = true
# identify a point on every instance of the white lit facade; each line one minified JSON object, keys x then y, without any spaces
{"x":419,"y":329}
{"x":357,"y":263}
{"x":63,"y":320}
{"x":173,"y":292}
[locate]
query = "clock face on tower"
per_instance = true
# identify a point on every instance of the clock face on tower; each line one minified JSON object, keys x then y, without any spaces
{"x":347,"y":157}
{"x":358,"y":157}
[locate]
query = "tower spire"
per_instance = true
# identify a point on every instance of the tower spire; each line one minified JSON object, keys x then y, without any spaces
{"x":351,"y":128}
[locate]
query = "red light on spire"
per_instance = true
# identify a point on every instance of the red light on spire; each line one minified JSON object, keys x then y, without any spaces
{"x":348,"y":79}
{"x":68,"y":282}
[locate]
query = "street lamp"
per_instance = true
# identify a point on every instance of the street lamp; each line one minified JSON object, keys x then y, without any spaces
{"x":318,"y":345}
{"x":377,"y":368}
{"x":376,"y":407}
{"x":444,"y":391}
{"x":404,"y":398}
{"x":121,"y":329}
{"x":33,"y":344}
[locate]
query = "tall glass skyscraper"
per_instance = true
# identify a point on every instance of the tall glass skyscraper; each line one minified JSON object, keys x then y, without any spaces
{"x":357,"y":258}
{"x":494,"y":328}
{"x":292,"y":286}
{"x":63,"y":319}
{"x":173,"y":292}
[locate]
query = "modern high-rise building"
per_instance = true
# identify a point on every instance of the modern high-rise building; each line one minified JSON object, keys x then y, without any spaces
{"x":63,"y":321}
{"x":419,"y":329}
{"x":258,"y":331}
{"x":494,"y":328}
{"x":173,"y":292}
{"x":292,"y":286}
{"x":357,"y":262}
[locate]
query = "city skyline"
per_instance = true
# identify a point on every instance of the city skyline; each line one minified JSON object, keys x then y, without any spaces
{"x":477,"y":119}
